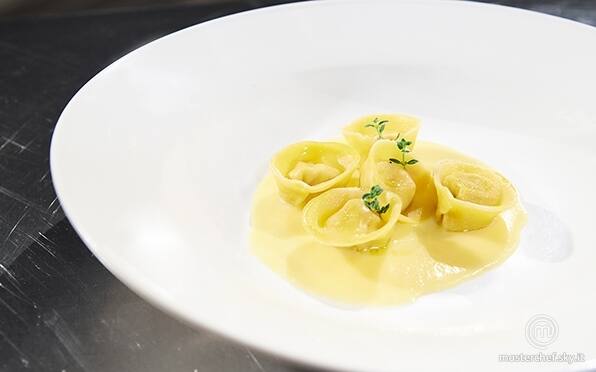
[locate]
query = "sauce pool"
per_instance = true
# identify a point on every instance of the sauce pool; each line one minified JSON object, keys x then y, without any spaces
{"x":420,"y":258}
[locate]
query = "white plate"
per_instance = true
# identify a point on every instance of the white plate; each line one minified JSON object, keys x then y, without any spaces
{"x":155,"y":161}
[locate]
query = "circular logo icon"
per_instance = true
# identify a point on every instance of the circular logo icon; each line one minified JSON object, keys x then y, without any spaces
{"x":541,"y":331}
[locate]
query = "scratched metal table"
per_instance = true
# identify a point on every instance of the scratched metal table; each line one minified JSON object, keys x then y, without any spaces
{"x":60,"y":309}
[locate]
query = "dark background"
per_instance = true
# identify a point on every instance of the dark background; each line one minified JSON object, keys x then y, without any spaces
{"x":41,"y":7}
{"x":580,"y":10}
{"x":60,"y":309}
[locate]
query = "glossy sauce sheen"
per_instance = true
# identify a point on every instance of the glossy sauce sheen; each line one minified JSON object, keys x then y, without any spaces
{"x":421,"y":257}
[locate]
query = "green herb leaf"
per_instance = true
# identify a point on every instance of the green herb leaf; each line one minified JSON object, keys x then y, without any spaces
{"x":378,"y":125}
{"x":371,"y":200}
{"x":403,"y":146}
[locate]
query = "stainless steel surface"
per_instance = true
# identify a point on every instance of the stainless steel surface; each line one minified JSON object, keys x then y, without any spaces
{"x":60,"y":309}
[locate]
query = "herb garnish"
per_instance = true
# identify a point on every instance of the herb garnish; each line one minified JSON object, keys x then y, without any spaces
{"x":403,"y":146}
{"x":379,"y":126}
{"x":371,"y":200}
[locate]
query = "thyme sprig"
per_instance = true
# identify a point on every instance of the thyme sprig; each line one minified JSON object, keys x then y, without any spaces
{"x":403,"y":145}
{"x":379,"y":126}
{"x":371,"y":200}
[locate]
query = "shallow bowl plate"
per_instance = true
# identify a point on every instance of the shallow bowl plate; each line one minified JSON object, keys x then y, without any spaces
{"x":156,"y":158}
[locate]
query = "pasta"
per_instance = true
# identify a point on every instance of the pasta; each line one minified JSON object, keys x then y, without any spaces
{"x":383,"y":218}
{"x":306,"y":169}
{"x":361,"y":135}
{"x":339,"y":218}
{"x":377,"y":170}
{"x":469,"y":196}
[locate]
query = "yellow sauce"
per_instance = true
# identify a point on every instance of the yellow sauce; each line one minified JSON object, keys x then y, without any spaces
{"x":421,"y":257}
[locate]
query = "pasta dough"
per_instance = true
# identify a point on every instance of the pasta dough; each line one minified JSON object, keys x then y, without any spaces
{"x":433,"y":217}
{"x":377,"y":170}
{"x":339,"y":218}
{"x":361,"y":137}
{"x":313,"y":174}
{"x":470,"y":196}
{"x":305,"y":169}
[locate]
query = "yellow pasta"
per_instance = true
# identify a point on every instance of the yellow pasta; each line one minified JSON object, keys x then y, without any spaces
{"x":361,"y":137}
{"x":305,"y":169}
{"x":470,"y":196}
{"x":382,"y":220}
{"x":377,"y":170}
{"x":339,"y":218}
